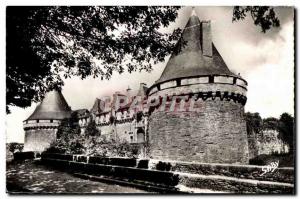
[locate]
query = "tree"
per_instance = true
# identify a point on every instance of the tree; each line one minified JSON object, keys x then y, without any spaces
{"x":270,"y":123}
{"x":263,"y":16}
{"x":91,"y":128}
{"x":14,"y":146}
{"x":45,"y":44}
{"x":253,"y":122}
{"x":68,"y":138}
{"x":287,"y":130}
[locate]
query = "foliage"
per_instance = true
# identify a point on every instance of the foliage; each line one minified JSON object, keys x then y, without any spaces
{"x":270,"y":123}
{"x":263,"y":16}
{"x":91,"y":129}
{"x":254,"y":122}
{"x":68,"y":139}
{"x":287,"y":130}
{"x":284,"y":160}
{"x":100,"y":146}
{"x":284,"y":125}
{"x":47,"y":43}
{"x":80,"y":41}
{"x":71,"y":141}
{"x":14,"y":146}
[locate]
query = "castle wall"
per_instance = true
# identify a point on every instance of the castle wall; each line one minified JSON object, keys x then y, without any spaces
{"x":252,"y":145}
{"x":126,"y":132}
{"x":216,"y":133}
{"x":39,"y":139}
{"x":269,"y":143}
{"x":106,"y":130}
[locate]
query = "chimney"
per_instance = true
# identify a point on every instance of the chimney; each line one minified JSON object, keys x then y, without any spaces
{"x":129,"y":94}
{"x":142,"y":89}
{"x":206,"y":38}
{"x":114,"y":99}
{"x":142,"y":85}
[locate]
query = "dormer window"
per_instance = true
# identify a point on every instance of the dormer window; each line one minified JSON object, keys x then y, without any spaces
{"x":37,"y":121}
{"x":51,"y":121}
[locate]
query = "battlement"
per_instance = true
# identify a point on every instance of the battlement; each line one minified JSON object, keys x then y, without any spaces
{"x":41,"y":124}
{"x":201,"y":84}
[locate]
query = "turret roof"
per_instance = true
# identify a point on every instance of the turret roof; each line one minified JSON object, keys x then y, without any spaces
{"x":195,"y":53}
{"x":53,"y":106}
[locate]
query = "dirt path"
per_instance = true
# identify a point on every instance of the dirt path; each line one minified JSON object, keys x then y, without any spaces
{"x":27,"y":177}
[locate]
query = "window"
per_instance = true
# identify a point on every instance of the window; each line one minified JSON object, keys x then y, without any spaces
{"x":37,"y":121}
{"x":211,"y":79}
{"x":131,"y":138}
{"x":51,"y":121}
{"x":234,"y":80}
{"x":178,"y":82}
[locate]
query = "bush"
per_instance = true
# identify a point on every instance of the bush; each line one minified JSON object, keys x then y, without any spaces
{"x":285,"y":160}
{"x":163,"y":166}
{"x":15,"y":147}
{"x":100,"y":146}
{"x":70,"y":141}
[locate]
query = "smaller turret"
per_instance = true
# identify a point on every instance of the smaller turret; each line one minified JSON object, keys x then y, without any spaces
{"x":41,"y":126}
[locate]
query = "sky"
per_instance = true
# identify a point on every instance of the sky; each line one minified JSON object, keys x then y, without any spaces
{"x":265,"y":60}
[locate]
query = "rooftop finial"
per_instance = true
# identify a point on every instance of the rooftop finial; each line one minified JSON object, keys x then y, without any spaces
{"x":193,"y":11}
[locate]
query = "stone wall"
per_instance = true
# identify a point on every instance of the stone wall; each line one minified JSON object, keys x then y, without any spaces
{"x":175,"y":176}
{"x":123,"y":130}
{"x":39,"y":139}
{"x":126,"y":131}
{"x":216,"y":133}
{"x":268,"y":142}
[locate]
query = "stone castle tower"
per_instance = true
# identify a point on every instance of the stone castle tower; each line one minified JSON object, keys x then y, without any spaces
{"x":41,"y":126}
{"x":216,"y":130}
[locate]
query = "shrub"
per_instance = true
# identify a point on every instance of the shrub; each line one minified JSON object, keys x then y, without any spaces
{"x":285,"y":160}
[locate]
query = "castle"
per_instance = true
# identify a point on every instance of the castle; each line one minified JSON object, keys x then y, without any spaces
{"x":213,"y":131}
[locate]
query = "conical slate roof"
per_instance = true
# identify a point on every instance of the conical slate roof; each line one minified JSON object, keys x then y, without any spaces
{"x":195,"y":54}
{"x":53,"y":106}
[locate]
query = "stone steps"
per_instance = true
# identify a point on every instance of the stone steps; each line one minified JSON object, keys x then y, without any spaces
{"x":233,"y":184}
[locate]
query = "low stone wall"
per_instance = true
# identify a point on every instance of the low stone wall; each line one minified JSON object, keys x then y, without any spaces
{"x":28,"y":155}
{"x":173,"y":175}
{"x":238,"y":171}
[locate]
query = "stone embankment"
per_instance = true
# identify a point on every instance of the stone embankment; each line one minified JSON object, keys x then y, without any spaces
{"x":174,"y":176}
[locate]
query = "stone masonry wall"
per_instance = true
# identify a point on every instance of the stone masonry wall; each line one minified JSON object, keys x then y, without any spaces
{"x":39,"y":139}
{"x":216,"y":133}
{"x":268,"y":142}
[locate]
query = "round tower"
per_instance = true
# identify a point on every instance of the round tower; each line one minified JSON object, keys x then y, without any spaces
{"x":41,"y":126}
{"x":211,"y":127}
